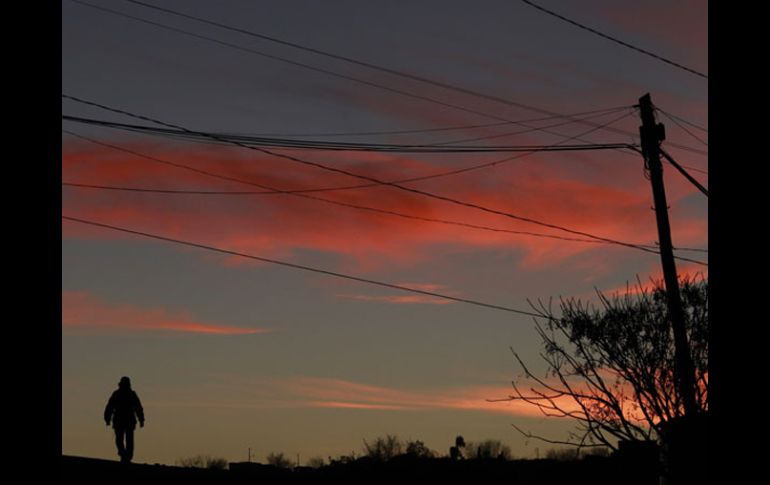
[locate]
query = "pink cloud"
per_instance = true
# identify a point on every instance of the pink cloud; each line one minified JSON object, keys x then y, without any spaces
{"x":84,"y":310}
{"x":279,"y":225}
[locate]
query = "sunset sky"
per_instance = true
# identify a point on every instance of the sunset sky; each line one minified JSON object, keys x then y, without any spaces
{"x":229,"y":353}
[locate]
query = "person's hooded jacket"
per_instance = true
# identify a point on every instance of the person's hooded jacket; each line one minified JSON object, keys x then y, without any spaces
{"x":124,"y":407}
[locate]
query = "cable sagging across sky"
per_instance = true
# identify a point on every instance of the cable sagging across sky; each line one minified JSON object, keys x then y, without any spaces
{"x":613,"y":39}
{"x":381,"y":182}
{"x":284,"y":143}
{"x":298,"y":266}
{"x":274,"y":191}
{"x":681,"y":125}
{"x":361,"y":63}
{"x":410,"y":179}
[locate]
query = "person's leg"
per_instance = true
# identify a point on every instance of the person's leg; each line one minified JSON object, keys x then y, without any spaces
{"x":119,"y":434}
{"x":129,"y":444}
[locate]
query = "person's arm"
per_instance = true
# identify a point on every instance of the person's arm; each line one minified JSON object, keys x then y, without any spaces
{"x":109,"y":409}
{"x":139,"y":409}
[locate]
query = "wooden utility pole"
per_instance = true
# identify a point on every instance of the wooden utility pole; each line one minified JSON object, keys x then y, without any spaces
{"x":652,"y":134}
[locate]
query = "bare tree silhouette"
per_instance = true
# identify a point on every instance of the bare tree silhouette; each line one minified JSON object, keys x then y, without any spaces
{"x":611,"y":368}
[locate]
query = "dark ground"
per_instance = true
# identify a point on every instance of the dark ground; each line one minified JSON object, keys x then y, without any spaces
{"x":591,"y":470}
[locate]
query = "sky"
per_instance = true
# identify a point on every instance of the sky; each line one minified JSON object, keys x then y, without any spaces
{"x":229,"y":354}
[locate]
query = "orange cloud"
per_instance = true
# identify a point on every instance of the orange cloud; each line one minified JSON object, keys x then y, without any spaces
{"x":338,"y":393}
{"x":83,"y":310}
{"x":279,"y":225}
{"x":316,"y":392}
{"x":353,"y":405}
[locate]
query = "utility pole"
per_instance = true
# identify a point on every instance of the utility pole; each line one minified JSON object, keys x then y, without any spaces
{"x":652,"y":134}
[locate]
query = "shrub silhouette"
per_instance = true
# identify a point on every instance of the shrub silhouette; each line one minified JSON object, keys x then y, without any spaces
{"x":279,"y":460}
{"x":562,"y":454}
{"x":384,"y":448}
{"x":343,"y":459}
{"x":203,"y":461}
{"x":418,"y":449}
{"x":316,"y":462}
{"x":488,"y":449}
{"x":572,"y":454}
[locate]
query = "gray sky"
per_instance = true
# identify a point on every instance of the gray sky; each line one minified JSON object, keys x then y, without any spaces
{"x":228,"y":353}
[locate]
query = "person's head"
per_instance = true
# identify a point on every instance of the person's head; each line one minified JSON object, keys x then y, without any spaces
{"x":125,"y":383}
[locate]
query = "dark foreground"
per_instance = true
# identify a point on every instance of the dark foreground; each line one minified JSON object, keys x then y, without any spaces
{"x":591,"y":470}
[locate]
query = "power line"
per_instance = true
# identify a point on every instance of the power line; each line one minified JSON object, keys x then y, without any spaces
{"x":684,"y":172}
{"x":613,"y":39}
{"x":673,"y":120}
{"x":358,"y":62}
{"x":385,"y":183}
{"x":371,"y":179}
{"x":588,"y":114}
{"x":248,"y":138}
{"x":682,"y":167}
{"x":227,"y":139}
{"x":435,"y":175}
{"x":408,"y":216}
{"x":380,"y":133}
{"x":529,"y":130}
{"x":297,"y":266}
{"x":428,"y":130}
{"x":573,"y":138}
{"x":273,"y":191}
{"x":671,"y":115}
{"x":348,"y":146}
{"x":385,"y":133}
{"x":695,"y":169}
{"x":348,"y":59}
{"x":306,"y":66}
{"x":344,"y":204}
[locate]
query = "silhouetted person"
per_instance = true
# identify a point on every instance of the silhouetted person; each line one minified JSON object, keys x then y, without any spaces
{"x":454,"y":451}
{"x":123,"y":409}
